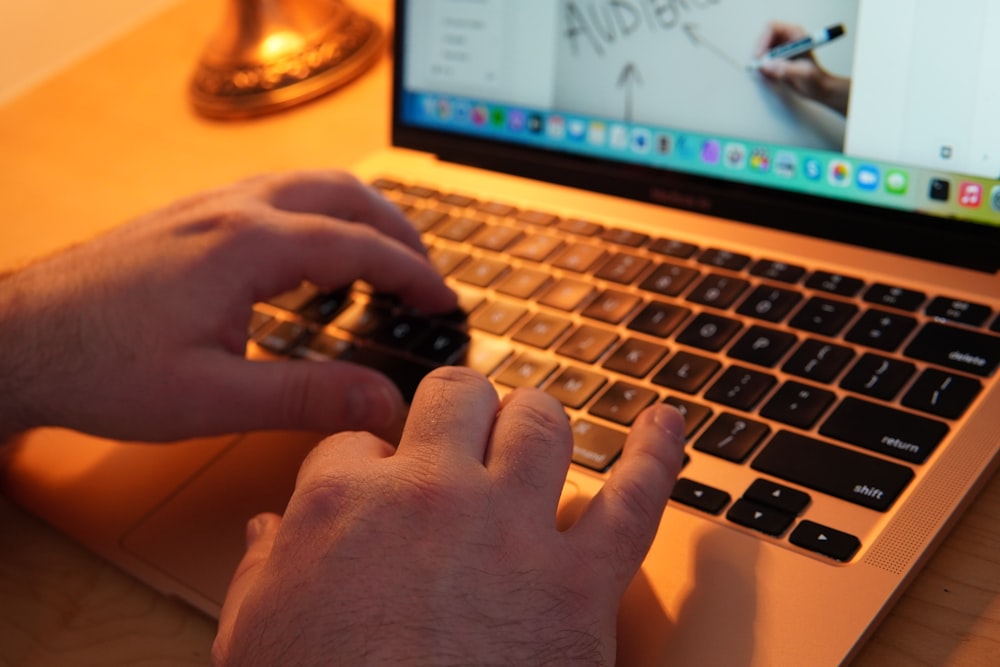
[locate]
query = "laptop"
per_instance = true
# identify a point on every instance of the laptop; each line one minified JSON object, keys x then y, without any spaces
{"x":632,"y":212}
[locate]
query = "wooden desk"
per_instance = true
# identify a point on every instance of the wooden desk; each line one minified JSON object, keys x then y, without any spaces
{"x":113,"y":137}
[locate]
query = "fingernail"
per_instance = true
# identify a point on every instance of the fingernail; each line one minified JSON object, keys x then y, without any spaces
{"x":374,"y":405}
{"x":671,"y":422}
{"x":255,"y":527}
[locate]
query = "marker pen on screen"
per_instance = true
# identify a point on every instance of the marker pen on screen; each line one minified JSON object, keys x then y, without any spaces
{"x":798,"y":47}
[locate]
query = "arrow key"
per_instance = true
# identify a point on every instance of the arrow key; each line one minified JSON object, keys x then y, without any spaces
{"x":825,"y":540}
{"x":759,"y":517}
{"x":700,"y":496}
{"x":778,"y":496}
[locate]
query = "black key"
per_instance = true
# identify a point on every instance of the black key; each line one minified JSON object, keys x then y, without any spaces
{"x":635,"y":357}
{"x":995,"y":327}
{"x":595,"y":446}
{"x":541,"y":330}
{"x":537,"y":218}
{"x":709,"y":332}
{"x":458,"y":229}
{"x":669,"y":279}
{"x":622,"y":268}
{"x":323,"y":348}
{"x":686,"y":372}
{"x":419,"y":191}
{"x":622,"y":402}
{"x":753,"y":515}
{"x":580,"y":227}
{"x":326,"y":306}
{"x":257,"y":321}
{"x":446,"y":260}
{"x":573,"y":386}
{"x":386,"y":184}
{"x":659,"y":319}
{"x":762,"y":346}
{"x":731,"y":437}
{"x":956,"y":310}
{"x":673,"y":248}
{"x":878,"y":376}
{"x":718,"y":291}
{"x":886,"y":430}
{"x":587,"y":344}
{"x":961,"y":349}
{"x":699,"y":496}
{"x":361,"y":320}
{"x":282,"y":337}
{"x":694,"y":414}
{"x":522,"y":282}
{"x":723,"y":259}
{"x":567,"y":294}
{"x":496,"y":237}
{"x":834,"y":283}
{"x":942,"y":393}
{"x":859,"y":478}
{"x":400,"y":332}
{"x":497,"y":209}
{"x":624,"y":237}
{"x":535,"y":247}
{"x":824,"y":540}
{"x":527,"y":370}
{"x":895,"y":297}
{"x":767,"y":303}
{"x":818,"y":360}
{"x":785,"y":273}
{"x":740,"y":388}
{"x":579,"y":257}
{"x":486,"y":354}
{"x":611,"y":306}
{"x":778,"y":496}
{"x":481,"y":271}
{"x":497,"y":317}
{"x":405,"y":373}
{"x":798,"y":404}
{"x":441,"y":345}
{"x":456,"y":200}
{"x":881,"y":329}
{"x":826,"y":317}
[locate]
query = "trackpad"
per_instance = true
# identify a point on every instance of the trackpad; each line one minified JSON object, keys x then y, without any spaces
{"x":197,"y":535}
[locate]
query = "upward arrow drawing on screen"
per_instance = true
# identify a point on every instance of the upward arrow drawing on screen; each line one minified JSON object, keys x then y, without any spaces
{"x":693,"y":31}
{"x":629,"y":79}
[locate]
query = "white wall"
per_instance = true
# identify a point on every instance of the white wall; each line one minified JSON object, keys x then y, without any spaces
{"x":40,"y":37}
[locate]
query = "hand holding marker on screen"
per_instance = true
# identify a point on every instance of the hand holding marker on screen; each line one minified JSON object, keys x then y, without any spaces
{"x":799,"y":47}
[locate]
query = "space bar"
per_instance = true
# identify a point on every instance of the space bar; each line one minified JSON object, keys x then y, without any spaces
{"x":838,"y":471}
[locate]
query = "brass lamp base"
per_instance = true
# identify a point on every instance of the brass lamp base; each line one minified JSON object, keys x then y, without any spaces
{"x":269,"y":55}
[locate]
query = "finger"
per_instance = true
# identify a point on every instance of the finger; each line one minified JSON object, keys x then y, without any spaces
{"x":302,"y":246}
{"x":621,"y":520}
{"x":451,"y":417}
{"x":261,"y":531}
{"x":323,"y":396}
{"x":531,"y":448}
{"x":335,"y":454}
{"x":340,"y":195}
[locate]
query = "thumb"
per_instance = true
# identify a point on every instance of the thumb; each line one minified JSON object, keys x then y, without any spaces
{"x":261,"y":531}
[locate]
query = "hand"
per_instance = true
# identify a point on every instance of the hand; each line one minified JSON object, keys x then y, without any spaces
{"x":446,"y":551}
{"x":141,"y":333}
{"x":804,"y":74}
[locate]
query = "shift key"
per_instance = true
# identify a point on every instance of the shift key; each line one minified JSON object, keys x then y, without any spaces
{"x":858,"y":478}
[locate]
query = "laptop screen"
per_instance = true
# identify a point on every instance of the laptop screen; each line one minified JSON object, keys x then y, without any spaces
{"x":884,"y":109}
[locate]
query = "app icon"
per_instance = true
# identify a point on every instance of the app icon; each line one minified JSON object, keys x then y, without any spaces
{"x":577,"y":129}
{"x":868,"y":177}
{"x":760,"y":159}
{"x":479,"y":114}
{"x":711,"y":151}
{"x":556,"y":127}
{"x":619,"y":137}
{"x":535,"y":123}
{"x":642,"y":140}
{"x":897,"y":182}
{"x":498,"y":117}
{"x":517,"y":120}
{"x":736,"y":156}
{"x":970,"y":195}
{"x":839,"y":174}
{"x":686,"y":147}
{"x":664,"y":144}
{"x":940,"y":189}
{"x":785,"y":164}
{"x":995,"y":198}
{"x":597,"y":133}
{"x":813,"y":169}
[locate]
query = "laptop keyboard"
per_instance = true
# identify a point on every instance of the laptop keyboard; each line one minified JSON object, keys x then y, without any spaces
{"x":819,"y":383}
